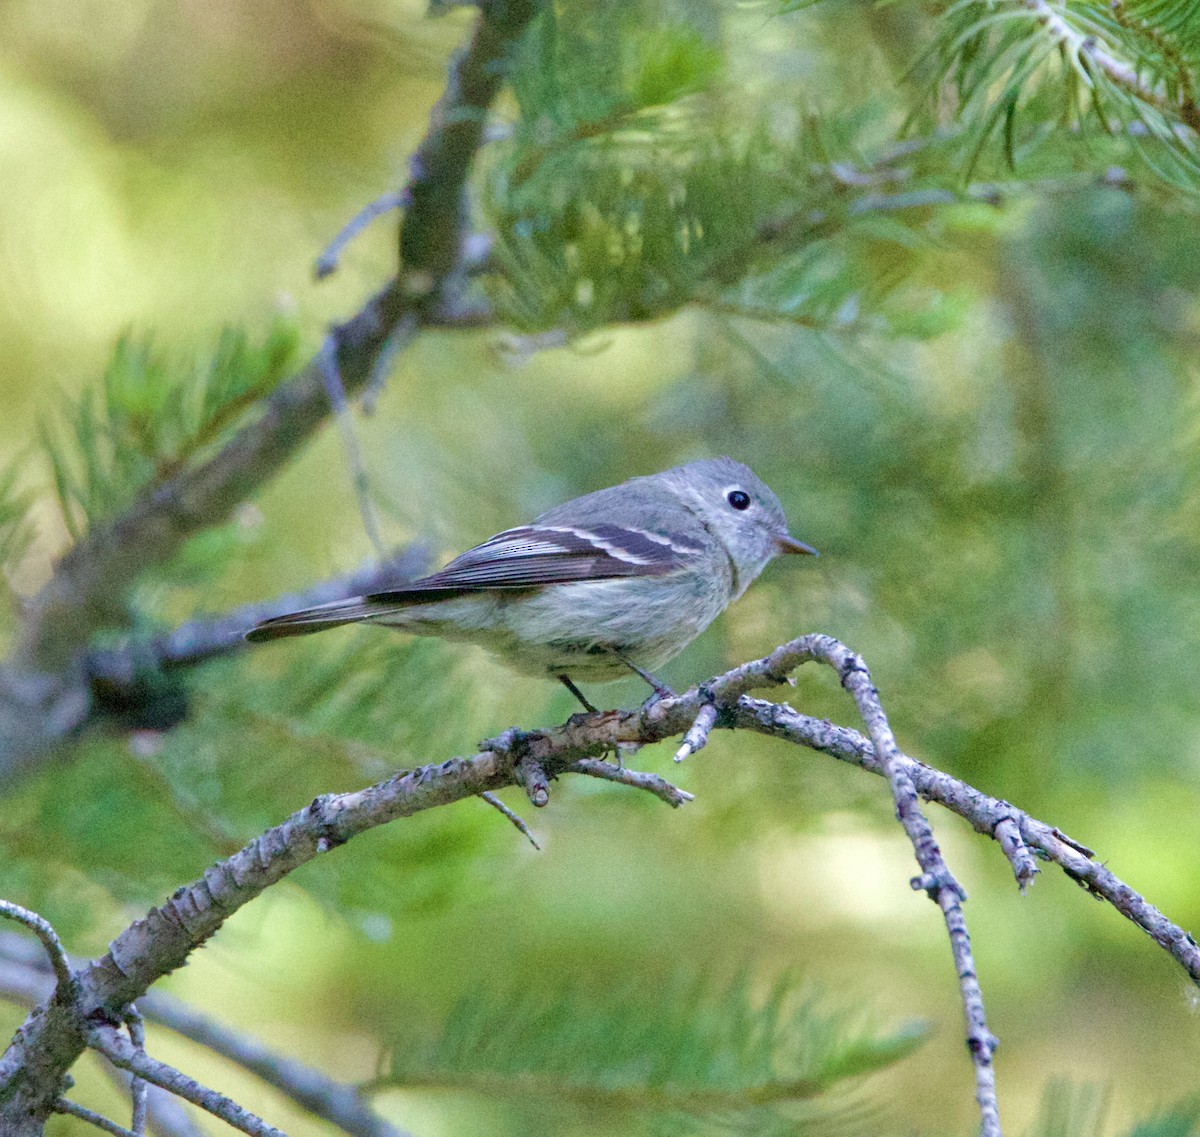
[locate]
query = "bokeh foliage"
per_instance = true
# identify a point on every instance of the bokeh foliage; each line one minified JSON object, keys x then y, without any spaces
{"x":956,"y":343}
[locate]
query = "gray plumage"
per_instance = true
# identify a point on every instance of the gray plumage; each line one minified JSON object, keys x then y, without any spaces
{"x":626,"y":575}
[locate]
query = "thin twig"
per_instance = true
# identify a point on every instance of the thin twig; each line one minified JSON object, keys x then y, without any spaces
{"x":121,"y":1052}
{"x":512,"y":816}
{"x":401,"y":336}
{"x":336,"y":390}
{"x":42,"y":928}
{"x":697,"y":735}
{"x":327,"y":263}
{"x":137,"y":1086}
{"x":166,"y":1115}
{"x":1008,"y":835}
{"x":74,"y":1109}
{"x":983,"y":812}
{"x":533,"y":778}
{"x":637,"y":779}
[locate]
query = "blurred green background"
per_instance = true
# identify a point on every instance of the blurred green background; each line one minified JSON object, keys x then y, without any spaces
{"x":1004,"y":492}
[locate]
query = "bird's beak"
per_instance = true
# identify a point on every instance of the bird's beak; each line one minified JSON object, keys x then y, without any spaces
{"x":786,"y":543}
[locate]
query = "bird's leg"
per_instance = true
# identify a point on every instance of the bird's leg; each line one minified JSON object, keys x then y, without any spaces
{"x":660,"y":689}
{"x":565,"y":680}
{"x":619,"y":747}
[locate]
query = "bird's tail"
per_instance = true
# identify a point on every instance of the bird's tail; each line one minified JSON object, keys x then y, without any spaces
{"x":310,"y":620}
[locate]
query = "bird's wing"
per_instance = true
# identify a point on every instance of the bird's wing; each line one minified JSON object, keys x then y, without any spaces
{"x":525,"y":557}
{"x":533,"y":555}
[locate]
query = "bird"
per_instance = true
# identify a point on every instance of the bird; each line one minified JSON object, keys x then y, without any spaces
{"x":618,"y":580}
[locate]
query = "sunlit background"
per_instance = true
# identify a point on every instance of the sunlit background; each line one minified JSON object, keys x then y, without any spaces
{"x":1004,"y":495}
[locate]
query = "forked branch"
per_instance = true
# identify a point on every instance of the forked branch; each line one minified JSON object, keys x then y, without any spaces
{"x":32,"y":1069}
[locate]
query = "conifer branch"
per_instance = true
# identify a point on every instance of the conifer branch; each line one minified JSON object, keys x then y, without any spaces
{"x":25,"y":978}
{"x":1101,"y":61}
{"x":57,"y":1032}
{"x":1132,"y":80}
{"x":44,"y":689}
{"x":117,"y":675}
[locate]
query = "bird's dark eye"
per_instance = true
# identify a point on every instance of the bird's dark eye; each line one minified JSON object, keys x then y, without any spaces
{"x":739,"y":499}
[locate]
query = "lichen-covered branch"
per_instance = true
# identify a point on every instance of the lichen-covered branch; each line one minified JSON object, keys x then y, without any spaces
{"x":125,"y":1055}
{"x":26,"y":978}
{"x":936,"y":879}
{"x":58,"y":1030}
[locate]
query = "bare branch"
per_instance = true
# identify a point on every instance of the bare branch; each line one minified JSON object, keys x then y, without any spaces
{"x":137,"y":1086}
{"x":44,"y":693}
{"x":74,"y":1109}
{"x":51,"y":1039}
{"x":42,"y":928}
{"x":25,"y":978}
{"x":327,"y":262}
{"x":166,"y":1115}
{"x":697,"y":735}
{"x":1008,"y":834}
{"x":352,"y":453}
{"x":512,"y":816}
{"x":339,"y":1103}
{"x":935,"y":879}
{"x":123,"y":1053}
{"x":637,"y":779}
{"x":983,"y":812}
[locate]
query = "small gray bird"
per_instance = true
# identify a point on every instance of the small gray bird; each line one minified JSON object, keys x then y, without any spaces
{"x":617,"y":580}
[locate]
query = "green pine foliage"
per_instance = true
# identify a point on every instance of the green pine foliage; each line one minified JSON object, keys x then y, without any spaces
{"x":334,"y":715}
{"x":16,"y":529}
{"x":1080,"y":1110}
{"x":1181,"y":1120}
{"x":148,"y":417}
{"x":1031,"y":79}
{"x":1021,"y":74}
{"x":726,"y":1056}
{"x":1071,"y":1111}
{"x":629,"y":189}
{"x":633,"y":183}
